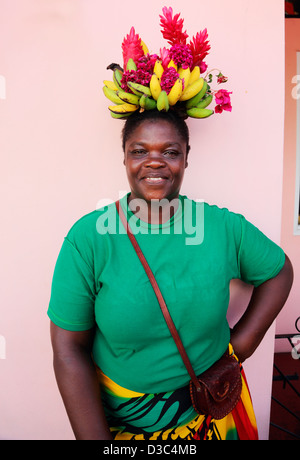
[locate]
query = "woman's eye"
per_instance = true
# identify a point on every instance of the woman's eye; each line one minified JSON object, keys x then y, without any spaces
{"x":171,"y":153}
{"x":138,"y":152}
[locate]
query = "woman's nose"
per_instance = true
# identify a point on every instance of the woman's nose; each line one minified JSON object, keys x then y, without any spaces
{"x":155,"y":160}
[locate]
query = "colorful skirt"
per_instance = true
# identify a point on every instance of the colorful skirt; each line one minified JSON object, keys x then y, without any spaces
{"x":170,"y":416}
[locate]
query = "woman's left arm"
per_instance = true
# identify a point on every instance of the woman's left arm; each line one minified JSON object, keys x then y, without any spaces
{"x":265,"y":304}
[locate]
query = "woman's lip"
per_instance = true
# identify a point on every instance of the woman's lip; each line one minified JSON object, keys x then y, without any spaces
{"x":154,"y":180}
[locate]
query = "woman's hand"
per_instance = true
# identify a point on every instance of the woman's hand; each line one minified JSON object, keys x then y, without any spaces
{"x":265,"y":304}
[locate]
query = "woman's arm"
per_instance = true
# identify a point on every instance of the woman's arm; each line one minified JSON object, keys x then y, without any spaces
{"x":78,"y":384}
{"x":265,"y":304}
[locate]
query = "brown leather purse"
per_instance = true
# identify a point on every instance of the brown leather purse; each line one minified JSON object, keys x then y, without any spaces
{"x":217,"y":390}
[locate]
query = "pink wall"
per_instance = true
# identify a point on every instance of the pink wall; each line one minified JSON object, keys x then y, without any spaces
{"x":290,"y":242}
{"x":61,"y":154}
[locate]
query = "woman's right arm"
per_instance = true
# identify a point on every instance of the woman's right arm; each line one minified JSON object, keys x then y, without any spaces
{"x":78,"y":384}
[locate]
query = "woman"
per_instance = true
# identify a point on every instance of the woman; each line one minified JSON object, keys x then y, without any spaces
{"x":103,"y":310}
{"x":118,"y":369}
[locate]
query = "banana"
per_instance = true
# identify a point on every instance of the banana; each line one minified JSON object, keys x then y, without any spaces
{"x":128,"y":97}
{"x":145,"y":48}
{"x":194,"y":101}
{"x":195,"y":74}
{"x":185,"y":75}
{"x":131,"y":65}
{"x":120,"y":116}
{"x":123,"y":108}
{"x":205,"y":102}
{"x":117,"y":77}
{"x":155,"y":87}
{"x":199,"y":113}
{"x":110,"y":84}
{"x":147,"y":102}
{"x":138,"y":89}
{"x":176,"y":92}
{"x":163,"y":102}
{"x":172,"y":64}
{"x":192,"y":90}
{"x":158,"y":69}
{"x":112,"y":95}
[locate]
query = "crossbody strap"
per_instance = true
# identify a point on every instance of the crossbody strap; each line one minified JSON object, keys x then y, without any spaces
{"x":159,"y":296}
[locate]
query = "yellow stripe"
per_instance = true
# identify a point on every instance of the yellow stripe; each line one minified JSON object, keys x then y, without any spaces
{"x":115,"y":388}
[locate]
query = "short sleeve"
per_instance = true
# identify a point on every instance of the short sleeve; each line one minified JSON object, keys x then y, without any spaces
{"x":260,"y":259}
{"x":72,"y":298}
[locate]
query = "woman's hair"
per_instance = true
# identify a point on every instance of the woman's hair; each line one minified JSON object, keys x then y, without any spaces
{"x":154,"y":115}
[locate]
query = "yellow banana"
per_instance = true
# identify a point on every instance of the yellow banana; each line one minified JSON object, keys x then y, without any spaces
{"x":195,"y":112}
{"x":195,"y":74}
{"x":158,"y":69}
{"x":192,"y":90}
{"x":110,"y":84}
{"x":172,"y":64}
{"x":128,"y":97}
{"x":112,"y":95}
{"x":163,"y":102}
{"x":123,"y":108}
{"x":155,"y":87}
{"x":145,"y":48}
{"x":194,"y":101}
{"x":185,"y":75}
{"x":176,"y":92}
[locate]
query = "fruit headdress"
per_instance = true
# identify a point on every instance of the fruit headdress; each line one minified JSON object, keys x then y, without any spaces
{"x":170,"y":80}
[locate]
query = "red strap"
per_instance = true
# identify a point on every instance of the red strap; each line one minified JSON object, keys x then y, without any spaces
{"x":159,"y":296}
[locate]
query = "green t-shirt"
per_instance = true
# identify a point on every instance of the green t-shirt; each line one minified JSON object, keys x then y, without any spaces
{"x":99,"y":281}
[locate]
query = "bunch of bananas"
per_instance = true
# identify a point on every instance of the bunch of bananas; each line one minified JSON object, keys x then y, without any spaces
{"x":190,"y":93}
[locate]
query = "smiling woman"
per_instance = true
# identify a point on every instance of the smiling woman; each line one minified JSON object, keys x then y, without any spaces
{"x":156,"y":150}
{"x":117,"y":366}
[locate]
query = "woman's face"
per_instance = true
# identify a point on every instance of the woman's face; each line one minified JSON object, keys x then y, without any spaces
{"x":155,"y":160}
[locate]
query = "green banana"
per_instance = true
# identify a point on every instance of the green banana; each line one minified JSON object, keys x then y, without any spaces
{"x":163,"y":102}
{"x":138,"y":89}
{"x":147,"y":102}
{"x":195,"y":112}
{"x":112,"y":95}
{"x":128,"y":97}
{"x":131,"y":65}
{"x":205,"y":102}
{"x":197,"y":98}
{"x":117,"y":77}
{"x":120,"y":116}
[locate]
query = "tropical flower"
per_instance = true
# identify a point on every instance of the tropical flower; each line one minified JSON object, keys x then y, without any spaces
{"x":132,"y":47}
{"x":168,"y":79}
{"x":200,"y":48}
{"x":223,"y":101}
{"x":137,"y":76}
{"x":172,"y":27}
{"x":182,"y":55}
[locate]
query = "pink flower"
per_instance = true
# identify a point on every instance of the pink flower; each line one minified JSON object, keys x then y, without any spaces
{"x":165,"y":57}
{"x":168,"y":79}
{"x":132,"y":47}
{"x":223,"y":101}
{"x":172,"y":27}
{"x":182,"y":55}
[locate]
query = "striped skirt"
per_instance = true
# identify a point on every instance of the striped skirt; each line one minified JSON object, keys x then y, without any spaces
{"x":170,"y":416}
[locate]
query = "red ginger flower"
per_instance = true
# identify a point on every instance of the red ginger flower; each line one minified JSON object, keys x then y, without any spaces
{"x":200,"y":47}
{"x":132,"y":47}
{"x":172,"y":27}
